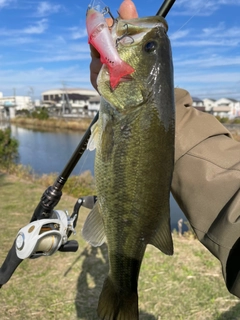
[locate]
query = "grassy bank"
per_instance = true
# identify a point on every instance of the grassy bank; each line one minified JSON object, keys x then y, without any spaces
{"x":188,"y":285}
{"x":78,"y":124}
{"x":82,"y":184}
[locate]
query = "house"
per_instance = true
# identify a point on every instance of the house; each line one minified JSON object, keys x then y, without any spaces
{"x":209,"y":104}
{"x":10,"y":105}
{"x":198,"y":104}
{"x":226,"y":107}
{"x":94,"y":105}
{"x":223,"y":108}
{"x":74,"y":101}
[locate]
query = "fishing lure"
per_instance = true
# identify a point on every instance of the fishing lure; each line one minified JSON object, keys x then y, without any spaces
{"x":100,"y":37}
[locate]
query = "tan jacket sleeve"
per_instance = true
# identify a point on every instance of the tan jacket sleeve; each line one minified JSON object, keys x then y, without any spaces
{"x":206,"y":184}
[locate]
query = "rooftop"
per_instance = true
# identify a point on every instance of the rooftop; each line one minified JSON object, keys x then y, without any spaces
{"x":82,"y":91}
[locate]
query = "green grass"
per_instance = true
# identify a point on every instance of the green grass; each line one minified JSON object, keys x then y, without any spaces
{"x":188,"y":285}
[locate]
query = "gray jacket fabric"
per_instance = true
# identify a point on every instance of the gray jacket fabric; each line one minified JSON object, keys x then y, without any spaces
{"x":206,"y":184}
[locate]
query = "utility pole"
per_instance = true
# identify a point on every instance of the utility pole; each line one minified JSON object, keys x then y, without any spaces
{"x":31,"y":92}
{"x":66,"y":98}
{"x":14,"y":96}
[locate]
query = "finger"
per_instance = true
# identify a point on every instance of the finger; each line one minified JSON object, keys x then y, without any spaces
{"x":94,"y":52}
{"x":95,"y":67}
{"x":128,"y":10}
{"x":109,"y":21}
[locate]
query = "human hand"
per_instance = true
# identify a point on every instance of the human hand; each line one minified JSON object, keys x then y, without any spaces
{"x":127,"y":10}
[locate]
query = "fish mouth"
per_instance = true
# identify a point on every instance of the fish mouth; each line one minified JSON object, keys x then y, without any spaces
{"x":126,"y":78}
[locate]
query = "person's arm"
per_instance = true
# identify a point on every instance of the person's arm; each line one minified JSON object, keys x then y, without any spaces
{"x":206,"y":184}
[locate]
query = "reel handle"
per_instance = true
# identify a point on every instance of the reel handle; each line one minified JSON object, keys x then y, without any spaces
{"x":70,"y":246}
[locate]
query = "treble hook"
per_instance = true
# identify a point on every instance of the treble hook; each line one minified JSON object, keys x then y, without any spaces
{"x":107,"y":10}
{"x":124,"y":35}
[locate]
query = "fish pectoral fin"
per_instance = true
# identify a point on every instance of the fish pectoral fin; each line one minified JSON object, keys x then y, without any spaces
{"x":93,"y":228}
{"x":163,"y":237}
{"x":94,"y":137}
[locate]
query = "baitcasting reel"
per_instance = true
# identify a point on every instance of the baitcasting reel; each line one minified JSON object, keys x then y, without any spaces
{"x":45,"y":236}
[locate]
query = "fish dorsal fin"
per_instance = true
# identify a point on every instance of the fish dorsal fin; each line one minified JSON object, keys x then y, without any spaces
{"x":94,"y":137}
{"x":163,"y":236}
{"x":93,"y":229}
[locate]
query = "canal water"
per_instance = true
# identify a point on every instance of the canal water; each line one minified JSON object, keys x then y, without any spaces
{"x":49,"y":151}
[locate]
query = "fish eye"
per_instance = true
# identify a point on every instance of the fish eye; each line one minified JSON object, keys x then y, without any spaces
{"x":150,"y":46}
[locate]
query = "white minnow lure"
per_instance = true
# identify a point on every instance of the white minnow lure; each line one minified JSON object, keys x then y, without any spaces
{"x":100,"y":37}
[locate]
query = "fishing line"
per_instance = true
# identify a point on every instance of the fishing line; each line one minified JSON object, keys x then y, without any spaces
{"x":85,"y":157}
{"x":188,"y":21}
{"x":191,"y":17}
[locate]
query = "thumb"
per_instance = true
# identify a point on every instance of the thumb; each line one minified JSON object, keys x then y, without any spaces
{"x":127,"y":10}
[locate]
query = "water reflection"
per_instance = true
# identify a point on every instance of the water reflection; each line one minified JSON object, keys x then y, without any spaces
{"x":48,"y":151}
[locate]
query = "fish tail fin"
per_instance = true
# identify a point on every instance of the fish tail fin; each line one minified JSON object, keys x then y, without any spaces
{"x":115,"y":305}
{"x":120,"y":70}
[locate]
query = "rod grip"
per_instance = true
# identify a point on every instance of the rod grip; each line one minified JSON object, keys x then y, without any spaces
{"x":9,"y":266}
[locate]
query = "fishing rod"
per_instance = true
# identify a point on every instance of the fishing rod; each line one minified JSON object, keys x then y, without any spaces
{"x":49,"y":229}
{"x":165,"y":8}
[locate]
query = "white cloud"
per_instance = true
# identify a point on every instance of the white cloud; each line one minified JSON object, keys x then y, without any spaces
{"x":196,"y":7}
{"x":217,"y":36}
{"x":42,"y":79}
{"x":80,"y":47}
{"x":4,"y":3}
{"x":39,"y":28}
{"x":213,"y":84}
{"x":38,"y":53}
{"x":208,"y":62}
{"x":207,"y":43}
{"x":217,"y":77}
{"x":16,"y":41}
{"x":179,"y":34}
{"x":17,"y":36}
{"x":78,"y":33}
{"x":230,"y":2}
{"x":57,"y":57}
{"x":46,"y":8}
{"x":221,"y":31}
{"x":210,"y":31}
{"x":202,"y":8}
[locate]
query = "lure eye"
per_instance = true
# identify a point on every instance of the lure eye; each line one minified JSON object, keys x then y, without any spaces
{"x":150,"y":46}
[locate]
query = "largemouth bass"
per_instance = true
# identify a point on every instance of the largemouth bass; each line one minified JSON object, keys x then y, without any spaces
{"x":134,"y":140}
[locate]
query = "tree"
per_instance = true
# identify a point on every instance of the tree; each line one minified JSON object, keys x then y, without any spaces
{"x":41,"y":114}
{"x":8,"y":148}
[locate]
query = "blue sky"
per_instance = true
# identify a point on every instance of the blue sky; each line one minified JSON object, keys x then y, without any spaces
{"x":44,"y":45}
